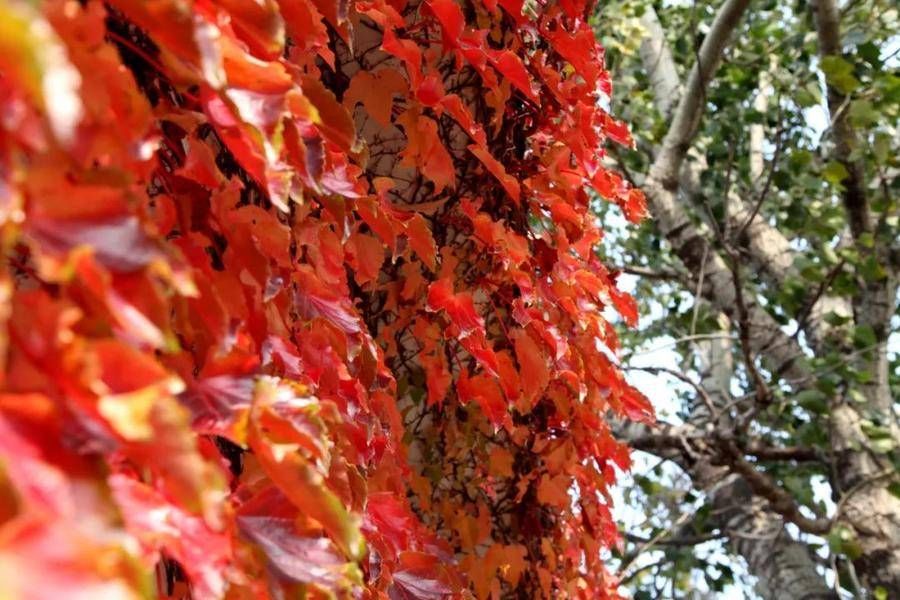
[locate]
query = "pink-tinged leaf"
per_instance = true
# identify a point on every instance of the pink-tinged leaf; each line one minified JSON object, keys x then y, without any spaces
{"x":161,"y":526}
{"x":410,"y":585}
{"x":44,"y":559}
{"x":389,"y":517}
{"x":270,"y":521}
{"x":120,"y":244}
{"x":287,"y":455}
{"x":38,"y":483}
{"x":219,"y":405}
{"x":315,"y":299}
{"x":245,"y":144}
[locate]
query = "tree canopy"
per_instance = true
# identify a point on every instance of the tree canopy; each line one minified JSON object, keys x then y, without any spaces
{"x":767,"y":146}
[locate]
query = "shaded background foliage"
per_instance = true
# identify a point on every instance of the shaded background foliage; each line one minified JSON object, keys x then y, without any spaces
{"x":768,"y":282}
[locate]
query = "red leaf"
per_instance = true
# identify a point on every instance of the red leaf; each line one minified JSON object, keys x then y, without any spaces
{"x":634,"y":205}
{"x":219,"y":404}
{"x":483,"y":389}
{"x":477,"y":345}
{"x":203,"y":552}
{"x":314,"y":299}
{"x":496,"y":169}
{"x":512,"y":68}
{"x":246,"y":147}
{"x":451,"y":18}
{"x":391,"y":518}
{"x":366,"y":255}
{"x":532,"y":365}
{"x":431,"y":90}
{"x":459,"y":307}
{"x":625,"y":305}
{"x":298,"y":478}
{"x":258,"y":24}
{"x":249,"y":73}
{"x":637,"y":406}
{"x":437,"y":377}
{"x":306,"y":27}
{"x":408,"y":52}
{"x":425,"y":150}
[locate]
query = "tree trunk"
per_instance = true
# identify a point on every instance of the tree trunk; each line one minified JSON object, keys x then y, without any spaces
{"x":863,"y":472}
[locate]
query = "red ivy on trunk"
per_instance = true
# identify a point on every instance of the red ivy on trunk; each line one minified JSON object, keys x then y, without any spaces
{"x":301,"y":299}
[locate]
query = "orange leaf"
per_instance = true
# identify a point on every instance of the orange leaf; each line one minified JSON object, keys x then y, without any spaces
{"x":420,"y":240}
{"x":376,"y":92}
{"x":483,"y":390}
{"x":533,"y":369}
{"x":496,"y":169}
{"x":334,"y":121}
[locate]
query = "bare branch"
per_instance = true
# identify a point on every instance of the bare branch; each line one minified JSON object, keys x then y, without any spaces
{"x":781,"y":501}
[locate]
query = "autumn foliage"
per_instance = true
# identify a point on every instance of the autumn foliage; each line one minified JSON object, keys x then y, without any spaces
{"x":301,"y":300}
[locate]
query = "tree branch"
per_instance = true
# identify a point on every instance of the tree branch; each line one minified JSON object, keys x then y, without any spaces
{"x":658,"y":61}
{"x":827,"y":20}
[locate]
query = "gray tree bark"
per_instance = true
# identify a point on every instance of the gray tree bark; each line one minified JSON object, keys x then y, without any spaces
{"x":862,"y":474}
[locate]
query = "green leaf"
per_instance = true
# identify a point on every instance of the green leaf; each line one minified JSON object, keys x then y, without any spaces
{"x":864,"y":336}
{"x":856,"y":395}
{"x":809,"y":95}
{"x":894,"y":488}
{"x":812,"y":400}
{"x":842,"y":541}
{"x":800,"y":158}
{"x":834,"y":172}
{"x":862,"y":113}
{"x":839,"y":74}
{"x":836,"y":320}
{"x":881,"y":146}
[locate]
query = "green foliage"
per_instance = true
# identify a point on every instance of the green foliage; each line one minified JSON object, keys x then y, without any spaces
{"x":798,"y":192}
